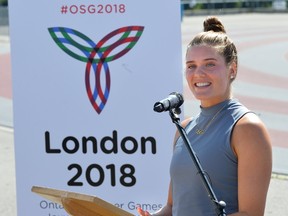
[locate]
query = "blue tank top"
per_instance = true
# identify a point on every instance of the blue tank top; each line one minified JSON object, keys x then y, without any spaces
{"x":216,"y":157}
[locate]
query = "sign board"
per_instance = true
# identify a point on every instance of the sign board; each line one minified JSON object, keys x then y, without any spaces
{"x":85,"y":78}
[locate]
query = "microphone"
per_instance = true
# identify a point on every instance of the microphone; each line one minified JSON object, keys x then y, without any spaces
{"x":174,"y":100}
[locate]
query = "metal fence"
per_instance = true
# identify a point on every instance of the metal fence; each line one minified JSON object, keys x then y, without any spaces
{"x":232,"y":6}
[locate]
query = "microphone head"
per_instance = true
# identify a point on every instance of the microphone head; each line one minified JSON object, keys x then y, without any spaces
{"x":158,"y":107}
{"x":174,"y":100}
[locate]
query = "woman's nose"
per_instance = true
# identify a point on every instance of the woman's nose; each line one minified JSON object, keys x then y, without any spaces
{"x":199,"y":71}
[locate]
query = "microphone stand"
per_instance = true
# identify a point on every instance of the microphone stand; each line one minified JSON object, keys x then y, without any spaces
{"x":220,"y":205}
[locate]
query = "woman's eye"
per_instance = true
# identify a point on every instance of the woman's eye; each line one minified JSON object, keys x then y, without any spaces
{"x":191,"y":67}
{"x":210,"y":65}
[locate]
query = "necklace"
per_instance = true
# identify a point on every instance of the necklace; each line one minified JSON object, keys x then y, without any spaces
{"x":202,"y":131}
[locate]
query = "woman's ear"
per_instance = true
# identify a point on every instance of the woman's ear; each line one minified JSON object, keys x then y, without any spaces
{"x":233,"y":71}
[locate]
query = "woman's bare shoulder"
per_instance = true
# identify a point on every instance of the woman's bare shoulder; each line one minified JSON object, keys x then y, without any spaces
{"x":250,"y":133}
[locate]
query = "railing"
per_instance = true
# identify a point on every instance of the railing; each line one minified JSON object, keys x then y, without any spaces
{"x":190,"y":7}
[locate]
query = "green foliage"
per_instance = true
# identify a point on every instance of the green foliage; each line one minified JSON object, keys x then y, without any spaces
{"x":3,"y":2}
{"x":238,"y":4}
{"x":198,"y":6}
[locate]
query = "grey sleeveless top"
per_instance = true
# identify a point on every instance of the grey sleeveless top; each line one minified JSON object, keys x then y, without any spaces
{"x":216,"y":157}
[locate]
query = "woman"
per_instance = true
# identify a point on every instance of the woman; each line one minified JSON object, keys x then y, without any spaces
{"x":231,"y":142}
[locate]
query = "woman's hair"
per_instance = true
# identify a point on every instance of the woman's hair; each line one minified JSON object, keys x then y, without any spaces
{"x":214,"y":35}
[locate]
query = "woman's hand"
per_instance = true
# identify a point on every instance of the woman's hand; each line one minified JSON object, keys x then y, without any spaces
{"x":142,"y":212}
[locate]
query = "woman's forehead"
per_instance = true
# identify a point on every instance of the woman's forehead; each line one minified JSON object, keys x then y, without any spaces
{"x":202,"y":52}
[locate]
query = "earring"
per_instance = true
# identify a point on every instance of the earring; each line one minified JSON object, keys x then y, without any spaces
{"x":231,"y":77}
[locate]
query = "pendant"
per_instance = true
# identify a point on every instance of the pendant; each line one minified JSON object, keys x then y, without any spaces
{"x":200,"y":132}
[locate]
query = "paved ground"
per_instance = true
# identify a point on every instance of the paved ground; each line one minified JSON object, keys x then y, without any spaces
{"x":261,"y":84}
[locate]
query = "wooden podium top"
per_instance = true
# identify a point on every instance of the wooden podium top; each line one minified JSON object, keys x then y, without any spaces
{"x":77,"y":204}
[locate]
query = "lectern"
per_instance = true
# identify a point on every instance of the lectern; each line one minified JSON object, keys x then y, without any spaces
{"x":77,"y":204}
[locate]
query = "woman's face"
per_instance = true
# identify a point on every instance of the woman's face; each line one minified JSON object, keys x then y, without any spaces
{"x":208,"y":76}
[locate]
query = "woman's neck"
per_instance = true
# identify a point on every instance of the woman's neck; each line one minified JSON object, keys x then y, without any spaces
{"x":211,"y":102}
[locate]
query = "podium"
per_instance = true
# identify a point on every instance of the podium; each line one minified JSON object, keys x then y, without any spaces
{"x":77,"y":204}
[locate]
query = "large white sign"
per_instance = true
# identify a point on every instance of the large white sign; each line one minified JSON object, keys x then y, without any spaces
{"x":86,"y":75}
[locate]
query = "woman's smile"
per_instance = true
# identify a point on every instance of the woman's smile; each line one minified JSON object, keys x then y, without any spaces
{"x":202,"y":84}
